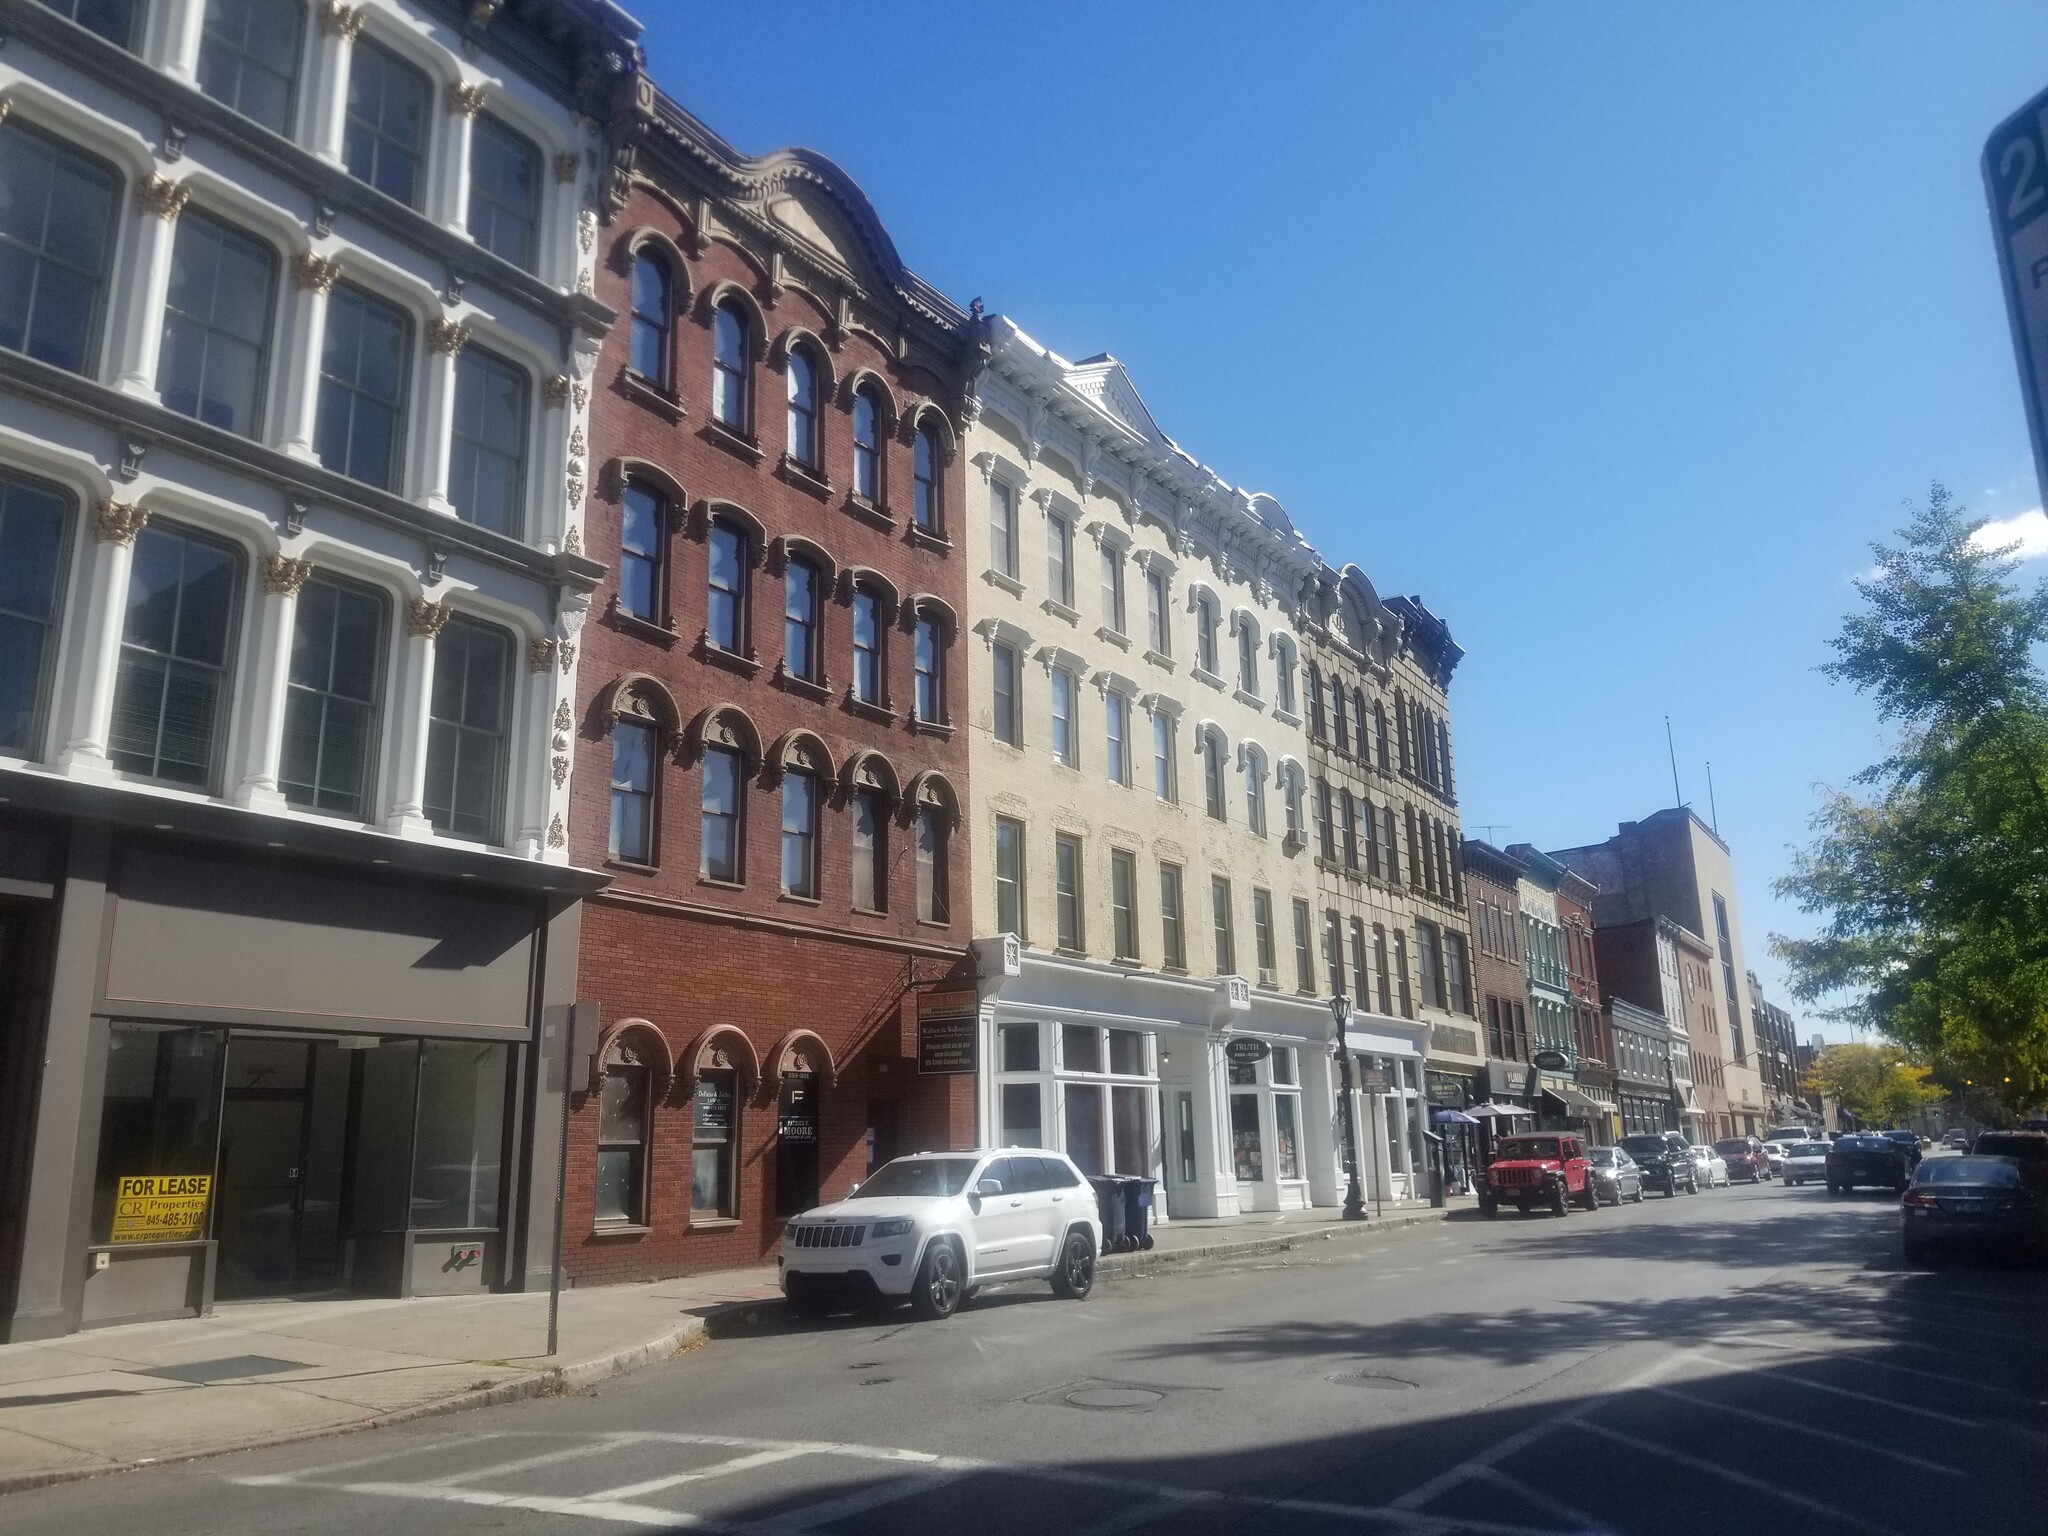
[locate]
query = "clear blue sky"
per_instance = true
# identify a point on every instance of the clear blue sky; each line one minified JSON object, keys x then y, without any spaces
{"x":1614,"y":332}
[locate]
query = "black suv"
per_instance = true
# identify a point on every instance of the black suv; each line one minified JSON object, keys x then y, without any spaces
{"x":1867,"y":1158}
{"x":1666,"y":1163}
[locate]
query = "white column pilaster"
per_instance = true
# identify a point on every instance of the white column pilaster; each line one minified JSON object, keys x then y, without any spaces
{"x":299,"y":400}
{"x":534,"y":782}
{"x":1406,"y":1109}
{"x":445,"y":338}
{"x":1322,"y":1131}
{"x":115,"y":525}
{"x":263,"y":745}
{"x":180,"y":25}
{"x":139,"y":319}
{"x":327,"y":110}
{"x":410,"y":720}
{"x":464,"y":102}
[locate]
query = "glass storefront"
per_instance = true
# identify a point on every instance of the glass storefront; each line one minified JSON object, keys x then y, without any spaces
{"x":302,"y":1158}
{"x":1099,"y":1086}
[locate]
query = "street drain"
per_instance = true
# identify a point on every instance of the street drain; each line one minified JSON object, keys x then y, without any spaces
{"x":1115,"y":1397}
{"x":1371,"y":1379}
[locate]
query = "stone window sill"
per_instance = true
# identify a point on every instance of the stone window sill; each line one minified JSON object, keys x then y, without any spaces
{"x":1211,"y":678}
{"x":805,"y":478}
{"x":803,"y":687}
{"x":1060,"y":610}
{"x":711,"y":1223}
{"x":938,"y":728}
{"x":644,"y":629}
{"x":732,"y":440}
{"x":881,"y":714}
{"x":721,"y":885}
{"x":1010,"y":584}
{"x":925,"y":538}
{"x":1160,"y":659}
{"x":650,"y":394}
{"x":868,"y":512}
{"x":732,"y":661}
{"x":603,"y":1229}
{"x":796,"y":900}
{"x":1115,"y":637}
{"x":1249,"y":699}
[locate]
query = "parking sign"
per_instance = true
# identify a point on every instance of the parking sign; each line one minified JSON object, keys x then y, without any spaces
{"x":2016,"y":185}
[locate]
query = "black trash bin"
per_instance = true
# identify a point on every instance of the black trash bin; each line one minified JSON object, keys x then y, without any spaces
{"x":1138,"y":1211}
{"x":1113,"y":1205}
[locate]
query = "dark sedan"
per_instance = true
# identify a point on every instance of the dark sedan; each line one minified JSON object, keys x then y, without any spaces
{"x":1664,"y":1163}
{"x":1986,"y":1203}
{"x":1866,"y":1158}
{"x":1616,"y":1175}
{"x":1907,"y":1142}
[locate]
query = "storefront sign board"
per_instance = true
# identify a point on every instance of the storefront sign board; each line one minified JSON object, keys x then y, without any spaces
{"x":1375,"y":1080}
{"x":161,"y":1208}
{"x":948,"y":1043}
{"x":1244,"y":1050}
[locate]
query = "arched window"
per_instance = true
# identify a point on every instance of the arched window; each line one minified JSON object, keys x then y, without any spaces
{"x":175,"y":683}
{"x":934,"y":840}
{"x":468,"y":733}
{"x":800,"y":621}
{"x":1212,"y":775}
{"x":624,"y":1092}
{"x":928,"y":666}
{"x":924,"y":468}
{"x":249,"y":57}
{"x":648,"y":347}
{"x":504,"y":192}
{"x":729,"y":338}
{"x":1205,"y":635}
{"x":1340,"y":715}
{"x":1290,"y":789}
{"x":722,"y":825}
{"x":643,"y":542}
{"x":62,"y":209}
{"x":1247,"y":659}
{"x":386,"y":135}
{"x":1381,"y":750}
{"x":1283,"y":679}
{"x":35,"y":524}
{"x":487,"y":443}
{"x":870,"y":849}
{"x":869,"y":661}
{"x":867,"y":448}
{"x":1255,"y":792}
{"x":803,"y":408}
{"x":635,"y":751}
{"x":800,"y":792}
{"x":1316,"y":721}
{"x":726,"y":605}
{"x":217,"y":325}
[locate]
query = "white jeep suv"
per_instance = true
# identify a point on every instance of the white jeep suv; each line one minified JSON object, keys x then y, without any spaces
{"x":934,"y":1226}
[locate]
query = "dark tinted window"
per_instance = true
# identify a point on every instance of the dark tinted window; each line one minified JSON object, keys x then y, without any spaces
{"x":999,"y":1169}
{"x":466,"y":732}
{"x":364,"y":359}
{"x":1645,"y":1146}
{"x":112,"y":19}
{"x":1060,"y":1175}
{"x":176,"y":653}
{"x":2011,"y":1144}
{"x":1030,"y":1174}
{"x":216,"y":325}
{"x":1967,"y":1170}
{"x":33,"y":520}
{"x":1736,"y":1145}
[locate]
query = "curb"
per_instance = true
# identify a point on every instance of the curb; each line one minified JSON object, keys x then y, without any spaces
{"x":1121,"y":1265}
{"x":554,"y":1382}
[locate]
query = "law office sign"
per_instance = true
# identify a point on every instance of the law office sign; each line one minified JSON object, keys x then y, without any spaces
{"x":2016,"y":186}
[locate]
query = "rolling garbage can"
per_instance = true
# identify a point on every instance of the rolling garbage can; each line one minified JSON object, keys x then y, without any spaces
{"x":1113,"y":1205}
{"x":1138,"y":1211}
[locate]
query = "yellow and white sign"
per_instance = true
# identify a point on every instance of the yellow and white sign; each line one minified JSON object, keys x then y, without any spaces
{"x":161,"y":1208}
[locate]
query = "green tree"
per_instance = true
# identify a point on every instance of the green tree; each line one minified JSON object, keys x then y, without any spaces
{"x":1872,"y":1083}
{"x":1933,"y":879}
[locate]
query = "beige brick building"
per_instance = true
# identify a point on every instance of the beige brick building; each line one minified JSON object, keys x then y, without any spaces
{"x":1144,"y":881}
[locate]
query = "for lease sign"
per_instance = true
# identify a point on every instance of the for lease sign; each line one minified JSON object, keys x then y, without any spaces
{"x":161,"y":1208}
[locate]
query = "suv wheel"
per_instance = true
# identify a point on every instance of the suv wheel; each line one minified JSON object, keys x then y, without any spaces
{"x":1591,"y":1199}
{"x":939,"y":1285}
{"x":1074,"y":1276}
{"x":1559,"y":1205}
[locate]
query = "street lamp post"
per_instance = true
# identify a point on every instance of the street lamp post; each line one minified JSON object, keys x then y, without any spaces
{"x":1354,"y":1194}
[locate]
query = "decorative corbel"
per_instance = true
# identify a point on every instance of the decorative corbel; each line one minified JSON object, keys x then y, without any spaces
{"x":283,"y":576}
{"x":425,"y":618}
{"x":161,"y":196}
{"x":467,"y":98}
{"x":342,"y":21}
{"x":313,"y":271}
{"x":118,"y":522}
{"x":447,"y":337}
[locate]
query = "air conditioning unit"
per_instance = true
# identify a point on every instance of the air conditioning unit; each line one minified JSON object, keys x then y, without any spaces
{"x":1268,"y":977}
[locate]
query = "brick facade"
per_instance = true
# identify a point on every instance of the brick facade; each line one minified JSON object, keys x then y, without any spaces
{"x":1498,"y":966}
{"x":723,"y":974}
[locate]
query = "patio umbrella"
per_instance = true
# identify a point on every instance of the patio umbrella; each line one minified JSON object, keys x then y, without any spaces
{"x":1450,"y":1117}
{"x":1501,"y":1112}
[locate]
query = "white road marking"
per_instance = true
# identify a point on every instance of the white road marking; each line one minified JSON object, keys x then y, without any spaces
{"x":702,"y":1474}
{"x":1793,"y":1426}
{"x":589,"y":1509}
{"x":1586,"y":1525}
{"x":811,"y":1516}
{"x":278,"y":1479}
{"x":1858,"y":1358}
{"x":544,"y":1458}
{"x":1741,"y":1479}
{"x":1889,"y":1404}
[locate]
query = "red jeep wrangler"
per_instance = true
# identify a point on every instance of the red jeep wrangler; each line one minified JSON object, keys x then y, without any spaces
{"x":1545,"y":1169}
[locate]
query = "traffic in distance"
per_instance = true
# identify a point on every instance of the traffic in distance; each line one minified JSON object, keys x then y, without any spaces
{"x":932,"y":1229}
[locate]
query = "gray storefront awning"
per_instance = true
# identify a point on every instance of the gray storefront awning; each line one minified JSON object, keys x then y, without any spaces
{"x":1577,"y":1104}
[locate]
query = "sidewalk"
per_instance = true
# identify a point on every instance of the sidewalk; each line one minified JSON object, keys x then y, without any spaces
{"x":261,"y":1373}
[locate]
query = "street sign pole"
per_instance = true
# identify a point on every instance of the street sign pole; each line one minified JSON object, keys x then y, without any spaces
{"x":2016,"y":187}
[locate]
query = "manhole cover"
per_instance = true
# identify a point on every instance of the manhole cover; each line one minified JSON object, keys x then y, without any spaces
{"x":1115,"y":1397}
{"x":1371,"y":1379}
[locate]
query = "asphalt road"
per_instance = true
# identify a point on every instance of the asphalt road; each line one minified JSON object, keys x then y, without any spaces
{"x":1747,"y":1360}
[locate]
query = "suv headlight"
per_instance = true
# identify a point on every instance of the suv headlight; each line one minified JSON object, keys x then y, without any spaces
{"x":896,"y":1226}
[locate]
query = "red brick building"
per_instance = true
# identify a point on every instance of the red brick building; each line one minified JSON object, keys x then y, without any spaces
{"x":1500,"y":984}
{"x":769,"y":758}
{"x":1592,"y":1031}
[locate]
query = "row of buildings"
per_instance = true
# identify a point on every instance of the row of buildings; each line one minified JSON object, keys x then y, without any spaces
{"x":538,"y":657}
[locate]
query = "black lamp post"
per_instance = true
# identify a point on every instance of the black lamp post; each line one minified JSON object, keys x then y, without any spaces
{"x":1354,"y":1194}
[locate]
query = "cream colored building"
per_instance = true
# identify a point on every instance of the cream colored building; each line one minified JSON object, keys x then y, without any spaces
{"x":1138,"y":801}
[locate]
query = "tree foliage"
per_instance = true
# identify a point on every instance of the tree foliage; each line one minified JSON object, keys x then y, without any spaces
{"x":1933,"y":877}
{"x":1872,"y":1083}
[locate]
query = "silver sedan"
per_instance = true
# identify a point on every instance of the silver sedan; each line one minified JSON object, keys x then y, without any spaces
{"x":1616,"y":1175}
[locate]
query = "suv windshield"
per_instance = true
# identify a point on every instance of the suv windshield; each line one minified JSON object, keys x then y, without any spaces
{"x":1644,"y":1146}
{"x":917,"y":1176}
{"x":1522,"y":1148}
{"x":2028,"y":1144}
{"x":1733,"y":1145}
{"x":1807,"y":1149}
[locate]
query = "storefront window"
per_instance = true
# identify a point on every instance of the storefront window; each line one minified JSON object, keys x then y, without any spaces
{"x":1245,"y":1144}
{"x":1184,"y":1134}
{"x":1080,"y":1048}
{"x":1283,"y":1064}
{"x":1243,"y":1074}
{"x":1020,"y":1047}
{"x":1083,"y":1105}
{"x":159,"y":1118}
{"x":1127,"y":1125}
{"x":711,"y":1161}
{"x":1286,"y":1146}
{"x":1127,"y":1052}
{"x":1023,"y":1112}
{"x":458,"y":1160}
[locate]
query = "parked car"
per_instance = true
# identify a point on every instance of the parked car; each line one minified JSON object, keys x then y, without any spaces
{"x":1908,"y":1143}
{"x":1806,"y":1162}
{"x":929,"y":1228}
{"x":1867,"y":1158}
{"x":1616,"y":1175}
{"x":2021,"y":1146}
{"x":1987,"y":1203}
{"x":1774,"y":1154}
{"x":1711,"y":1167}
{"x":1663,"y":1165}
{"x":1745,"y":1158}
{"x":1787,"y":1135}
{"x":1549,"y":1169}
{"x":1957,"y":1140}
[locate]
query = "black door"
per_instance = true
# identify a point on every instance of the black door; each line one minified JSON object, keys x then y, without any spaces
{"x":277,"y":1207}
{"x":796,"y":1144}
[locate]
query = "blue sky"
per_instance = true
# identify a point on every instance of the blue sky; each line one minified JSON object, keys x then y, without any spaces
{"x":1616,"y":333}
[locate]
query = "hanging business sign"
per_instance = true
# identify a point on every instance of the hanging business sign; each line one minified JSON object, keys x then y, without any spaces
{"x":1552,"y":1061}
{"x":1244,"y":1050}
{"x":2016,"y":185}
{"x":161,"y":1208}
{"x":948,"y":1040}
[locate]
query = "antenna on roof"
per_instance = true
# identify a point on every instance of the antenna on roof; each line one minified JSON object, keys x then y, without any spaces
{"x":1677,"y":794}
{"x":1488,"y":828}
{"x":1712,"y":807}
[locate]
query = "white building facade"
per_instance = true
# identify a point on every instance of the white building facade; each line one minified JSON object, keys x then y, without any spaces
{"x":1138,"y":803}
{"x":293,"y":346}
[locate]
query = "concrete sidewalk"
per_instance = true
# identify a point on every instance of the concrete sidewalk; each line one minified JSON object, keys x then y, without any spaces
{"x":261,"y":1373}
